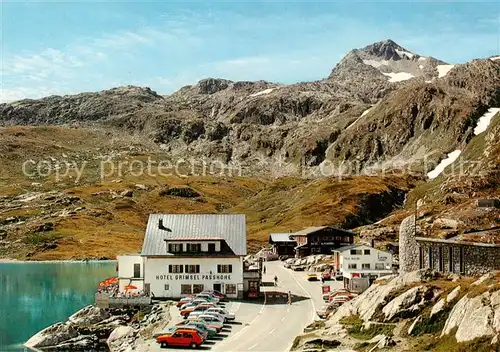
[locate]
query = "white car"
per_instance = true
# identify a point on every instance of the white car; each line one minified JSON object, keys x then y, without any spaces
{"x":198,"y":301}
{"x":187,"y":305}
{"x":221,"y":311}
{"x":210,"y":317}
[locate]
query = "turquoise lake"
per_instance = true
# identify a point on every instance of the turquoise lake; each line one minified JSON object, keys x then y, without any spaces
{"x":35,"y":295}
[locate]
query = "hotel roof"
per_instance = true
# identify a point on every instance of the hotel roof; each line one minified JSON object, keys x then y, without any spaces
{"x":195,"y":227}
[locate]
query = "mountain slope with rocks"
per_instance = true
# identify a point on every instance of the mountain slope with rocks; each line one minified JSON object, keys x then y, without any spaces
{"x":368,"y":95}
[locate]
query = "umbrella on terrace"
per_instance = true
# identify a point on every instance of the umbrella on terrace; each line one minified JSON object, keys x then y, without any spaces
{"x":130,"y":287}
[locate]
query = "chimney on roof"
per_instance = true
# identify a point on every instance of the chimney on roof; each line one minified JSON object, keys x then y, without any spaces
{"x":162,"y":227}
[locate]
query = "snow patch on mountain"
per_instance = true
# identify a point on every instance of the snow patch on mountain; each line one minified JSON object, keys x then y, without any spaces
{"x":363,"y":114}
{"x":485,"y":120}
{"x":444,"y":163}
{"x":405,"y":53}
{"x":495,"y":58}
{"x":399,"y":76}
{"x":444,"y":69}
{"x":422,"y":58}
{"x":262,"y":92}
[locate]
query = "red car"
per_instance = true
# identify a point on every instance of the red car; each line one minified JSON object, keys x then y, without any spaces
{"x":215,"y":293}
{"x":326,"y":276}
{"x":181,"y":338}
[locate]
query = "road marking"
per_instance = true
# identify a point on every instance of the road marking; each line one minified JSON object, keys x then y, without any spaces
{"x":283,"y":319}
{"x":249,"y":348}
{"x":270,"y":332}
{"x":313,"y":315}
{"x":288,"y":309}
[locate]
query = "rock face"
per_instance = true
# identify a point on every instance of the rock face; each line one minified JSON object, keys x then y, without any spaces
{"x":410,"y":301}
{"x":375,"y":110}
{"x":474,"y":317}
{"x":52,"y":336}
{"x":89,"y":315}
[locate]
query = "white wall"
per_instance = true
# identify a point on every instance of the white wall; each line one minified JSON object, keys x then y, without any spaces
{"x":157,"y":275}
{"x":375,"y":256}
{"x":126,"y":271}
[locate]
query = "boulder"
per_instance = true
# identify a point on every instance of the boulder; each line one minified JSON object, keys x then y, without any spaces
{"x":415,"y":322}
{"x":119,"y":338}
{"x":438,"y":307}
{"x":52,"y":336}
{"x":408,"y":301}
{"x":484,"y":278}
{"x":89,"y":315}
{"x":471,"y":317}
{"x":443,"y":223}
{"x":127,"y":193}
{"x":453,"y":294}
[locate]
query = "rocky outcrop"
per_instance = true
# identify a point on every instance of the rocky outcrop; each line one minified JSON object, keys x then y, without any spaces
{"x":363,"y":117}
{"x":96,"y":329}
{"x":474,"y":317}
{"x":89,"y":315}
{"x":409,"y":302}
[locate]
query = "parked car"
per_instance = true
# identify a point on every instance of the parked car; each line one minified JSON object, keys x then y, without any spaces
{"x":326,"y":276}
{"x":325,"y":311}
{"x":339,"y":276}
{"x":181,"y":338}
{"x":202,"y":332}
{"x":207,"y":296}
{"x":215,"y":293}
{"x":212,"y":317}
{"x":184,"y":300}
{"x":217,"y":325}
{"x":340,"y":299}
{"x":198,"y":308}
{"x":188,"y":304}
{"x":312,"y":277}
{"x":211,"y":332}
{"x":223,"y":312}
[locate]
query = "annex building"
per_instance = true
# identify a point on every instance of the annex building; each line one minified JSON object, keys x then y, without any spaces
{"x":184,"y":254}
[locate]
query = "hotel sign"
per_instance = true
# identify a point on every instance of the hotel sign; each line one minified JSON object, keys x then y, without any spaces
{"x":173,"y":277}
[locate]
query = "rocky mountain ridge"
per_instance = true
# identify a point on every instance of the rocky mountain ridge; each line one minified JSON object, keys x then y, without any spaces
{"x":368,"y":111}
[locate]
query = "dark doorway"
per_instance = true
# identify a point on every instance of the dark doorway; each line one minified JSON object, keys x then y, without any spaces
{"x":218,"y":287}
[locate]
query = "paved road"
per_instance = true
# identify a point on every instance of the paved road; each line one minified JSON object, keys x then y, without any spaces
{"x":270,"y":327}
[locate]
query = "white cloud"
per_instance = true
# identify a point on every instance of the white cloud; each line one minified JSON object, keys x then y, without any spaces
{"x":8,"y":95}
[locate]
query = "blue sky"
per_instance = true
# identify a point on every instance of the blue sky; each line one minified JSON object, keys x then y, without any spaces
{"x":66,"y":47}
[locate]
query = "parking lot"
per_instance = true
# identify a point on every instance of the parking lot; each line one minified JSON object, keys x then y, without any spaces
{"x":266,"y":326}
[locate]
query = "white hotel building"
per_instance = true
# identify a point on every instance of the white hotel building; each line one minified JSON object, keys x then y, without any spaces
{"x":362,"y":261}
{"x":188,"y":253}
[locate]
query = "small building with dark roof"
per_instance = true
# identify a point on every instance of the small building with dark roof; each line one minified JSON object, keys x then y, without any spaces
{"x":283,"y":243}
{"x":321,"y":240}
{"x":184,"y":254}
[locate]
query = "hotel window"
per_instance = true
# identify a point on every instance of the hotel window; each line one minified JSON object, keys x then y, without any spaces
{"x":186,"y":289}
{"x":365,"y":266}
{"x":356,"y":252}
{"x":211,"y":247}
{"x":192,"y":269}
{"x":352,"y":266}
{"x":175,"y":269}
{"x":175,"y":247}
{"x":197,"y":288}
{"x":193,"y":247}
{"x":379,"y":266}
{"x":366,"y":252}
{"x":137,"y":270}
{"x":224,"y":269}
{"x":230,"y":289}
{"x":167,"y":287}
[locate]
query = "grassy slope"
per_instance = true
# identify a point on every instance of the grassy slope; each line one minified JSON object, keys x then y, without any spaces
{"x":108,"y":225}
